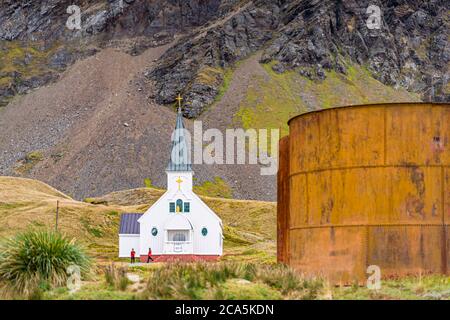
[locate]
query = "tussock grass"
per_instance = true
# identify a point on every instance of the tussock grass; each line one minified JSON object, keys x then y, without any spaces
{"x":34,"y":260}
{"x":116,"y":277}
{"x":230,"y":281}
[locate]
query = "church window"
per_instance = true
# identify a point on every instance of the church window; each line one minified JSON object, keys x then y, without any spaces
{"x":172,"y":207}
{"x":178,"y":235}
{"x":187,"y":207}
{"x":154,"y":232}
{"x":204,"y":232}
{"x":179,"y":205}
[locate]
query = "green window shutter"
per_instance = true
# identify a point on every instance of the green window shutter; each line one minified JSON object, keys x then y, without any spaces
{"x":187,"y":207}
{"x":172,"y":207}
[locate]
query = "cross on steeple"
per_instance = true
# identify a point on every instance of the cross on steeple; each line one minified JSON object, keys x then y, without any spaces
{"x":179,"y":99}
{"x":179,"y":181}
{"x":179,"y":157}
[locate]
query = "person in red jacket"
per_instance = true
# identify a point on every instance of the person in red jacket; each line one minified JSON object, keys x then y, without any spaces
{"x":133,"y":255}
{"x":149,"y":255}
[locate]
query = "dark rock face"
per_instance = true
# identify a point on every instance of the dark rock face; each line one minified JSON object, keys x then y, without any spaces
{"x":61,"y":59}
{"x":28,"y":20}
{"x":220,"y":46}
{"x":403,"y":52}
{"x":409,"y":50}
{"x":34,"y":82}
{"x":45,"y":21}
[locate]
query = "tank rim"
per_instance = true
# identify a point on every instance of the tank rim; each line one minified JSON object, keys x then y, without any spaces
{"x":369,"y":105}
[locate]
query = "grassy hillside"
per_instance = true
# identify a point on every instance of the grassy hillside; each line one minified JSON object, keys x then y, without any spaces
{"x":272,"y":98}
{"x":250,"y":226}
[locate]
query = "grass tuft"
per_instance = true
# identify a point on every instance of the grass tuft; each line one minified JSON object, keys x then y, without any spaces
{"x":36,"y":260}
{"x":116,"y":277}
{"x":229,"y":281}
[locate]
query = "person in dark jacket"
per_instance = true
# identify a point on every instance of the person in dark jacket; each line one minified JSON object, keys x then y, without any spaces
{"x":149,"y":255}
{"x":133,"y":256}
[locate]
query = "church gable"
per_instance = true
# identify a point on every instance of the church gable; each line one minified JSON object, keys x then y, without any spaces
{"x":179,"y":203}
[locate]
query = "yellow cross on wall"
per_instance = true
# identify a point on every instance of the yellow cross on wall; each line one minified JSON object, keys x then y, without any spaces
{"x":179,"y":99}
{"x":179,"y":181}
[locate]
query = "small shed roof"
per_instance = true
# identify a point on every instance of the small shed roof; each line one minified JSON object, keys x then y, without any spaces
{"x":129,"y":223}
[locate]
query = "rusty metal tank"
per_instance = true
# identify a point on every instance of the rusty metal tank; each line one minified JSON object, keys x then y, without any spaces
{"x":366,"y":185}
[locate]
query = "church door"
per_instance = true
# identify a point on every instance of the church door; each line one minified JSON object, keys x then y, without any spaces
{"x":179,"y":234}
{"x":178,"y":242}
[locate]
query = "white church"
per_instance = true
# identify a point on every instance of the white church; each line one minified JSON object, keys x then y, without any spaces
{"x":179,"y":225}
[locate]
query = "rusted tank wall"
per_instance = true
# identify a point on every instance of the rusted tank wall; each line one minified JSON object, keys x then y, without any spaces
{"x":369,"y":185}
{"x":283,"y":202}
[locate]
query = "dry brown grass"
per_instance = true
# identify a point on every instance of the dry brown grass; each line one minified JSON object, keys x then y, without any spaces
{"x":26,"y":203}
{"x":250,"y":226}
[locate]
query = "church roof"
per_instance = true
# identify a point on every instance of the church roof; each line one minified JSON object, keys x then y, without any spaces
{"x":129,"y":223}
{"x":179,"y":155}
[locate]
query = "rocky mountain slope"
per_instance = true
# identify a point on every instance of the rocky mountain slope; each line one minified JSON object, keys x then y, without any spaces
{"x":90,"y":110}
{"x":36,"y":41}
{"x":410,"y":50}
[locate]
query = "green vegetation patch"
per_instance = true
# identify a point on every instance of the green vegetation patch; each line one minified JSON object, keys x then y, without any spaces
{"x":28,"y":59}
{"x":431,"y":287}
{"x":34,"y":156}
{"x":89,"y":291}
{"x":12,"y":206}
{"x":217,"y":188}
{"x":234,"y":237}
{"x":273,"y":99}
{"x":92,"y":229}
{"x":148,"y":183}
{"x":210,"y":76}
{"x":28,"y":163}
{"x":227,"y":78}
{"x":241,"y":289}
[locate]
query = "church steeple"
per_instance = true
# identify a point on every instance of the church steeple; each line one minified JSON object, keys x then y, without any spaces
{"x":179,"y":157}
